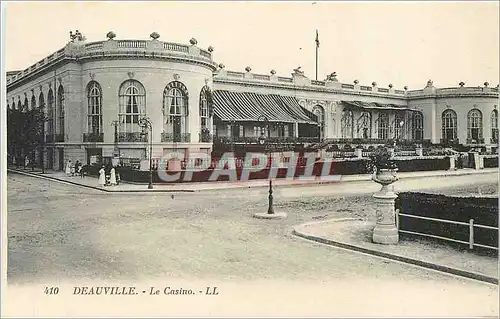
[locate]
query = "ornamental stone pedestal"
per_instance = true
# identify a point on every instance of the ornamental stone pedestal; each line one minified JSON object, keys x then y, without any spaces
{"x":385,"y":231}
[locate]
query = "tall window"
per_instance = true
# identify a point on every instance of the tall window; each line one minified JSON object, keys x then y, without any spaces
{"x":494,"y":126}
{"x":204,"y":113}
{"x":417,"y":126}
{"x":320,"y":117}
{"x":25,"y":105}
{"x":50,"y":112}
{"x":399,"y":124}
{"x":19,"y":105}
{"x":383,"y":126}
{"x":175,"y":109}
{"x":346,"y":123}
{"x":33,"y":102}
{"x":94,"y":104}
{"x":364,"y":125}
{"x":475,"y":125}
{"x":449,"y":125}
{"x":132,"y":105}
{"x":60,"y":103}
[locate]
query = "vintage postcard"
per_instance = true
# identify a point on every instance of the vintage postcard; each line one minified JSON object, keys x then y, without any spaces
{"x":250,"y":159}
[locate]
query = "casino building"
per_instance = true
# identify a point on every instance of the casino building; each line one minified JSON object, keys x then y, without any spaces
{"x":95,"y":93}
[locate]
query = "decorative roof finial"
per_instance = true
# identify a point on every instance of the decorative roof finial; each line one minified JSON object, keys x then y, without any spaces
{"x":222,"y":66}
{"x":390,"y":86}
{"x":406,"y":87}
{"x":210,"y":49}
{"x":461,"y":84}
{"x":429,"y":84}
{"x":155,"y":35}
{"x":486,"y":84}
{"x":374,"y":83}
{"x":273,"y":72}
{"x":248,"y":69}
{"x":356,"y":81}
{"x":193,"y":41}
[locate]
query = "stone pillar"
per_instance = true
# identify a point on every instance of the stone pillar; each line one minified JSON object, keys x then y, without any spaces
{"x":481,"y":162}
{"x":419,"y":151}
{"x":476,"y":161}
{"x":358,"y":152}
{"x":452,"y":163}
{"x":385,"y":231}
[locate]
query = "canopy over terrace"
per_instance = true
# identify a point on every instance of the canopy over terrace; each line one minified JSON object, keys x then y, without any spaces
{"x":248,"y":107}
{"x":377,"y":106}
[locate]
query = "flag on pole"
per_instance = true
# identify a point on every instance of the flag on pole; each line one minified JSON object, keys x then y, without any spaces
{"x":317,"y":39}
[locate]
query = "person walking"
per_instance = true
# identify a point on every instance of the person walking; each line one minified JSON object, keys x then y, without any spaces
{"x":112,"y":178}
{"x":68,"y":168}
{"x":102,"y":177}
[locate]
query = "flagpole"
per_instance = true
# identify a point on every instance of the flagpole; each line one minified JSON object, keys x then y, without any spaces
{"x":317,"y":47}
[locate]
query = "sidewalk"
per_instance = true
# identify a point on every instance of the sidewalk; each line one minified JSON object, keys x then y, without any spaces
{"x":92,"y":182}
{"x":355,"y":234}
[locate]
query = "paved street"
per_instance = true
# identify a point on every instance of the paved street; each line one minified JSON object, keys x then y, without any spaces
{"x":62,"y":232}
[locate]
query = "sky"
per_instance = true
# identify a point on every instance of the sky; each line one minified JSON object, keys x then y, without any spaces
{"x":399,"y":43}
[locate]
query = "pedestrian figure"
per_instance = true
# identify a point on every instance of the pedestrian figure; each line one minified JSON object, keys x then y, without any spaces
{"x":112,"y":179}
{"x":26,"y":161}
{"x":68,"y":168}
{"x":102,"y":177}
{"x":72,"y":169}
{"x":78,"y":166}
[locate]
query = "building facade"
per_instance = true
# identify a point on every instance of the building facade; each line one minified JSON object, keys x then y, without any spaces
{"x":95,"y":93}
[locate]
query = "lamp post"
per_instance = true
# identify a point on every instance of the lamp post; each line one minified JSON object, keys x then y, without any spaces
{"x":116,"y":123}
{"x":146,"y":124}
{"x":271,"y":214}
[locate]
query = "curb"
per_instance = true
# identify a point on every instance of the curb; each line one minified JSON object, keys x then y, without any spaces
{"x":101,"y":189}
{"x":420,"y":263}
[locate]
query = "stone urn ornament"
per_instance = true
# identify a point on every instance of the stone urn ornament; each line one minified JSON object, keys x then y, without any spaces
{"x":111,"y":35}
{"x":385,"y":231}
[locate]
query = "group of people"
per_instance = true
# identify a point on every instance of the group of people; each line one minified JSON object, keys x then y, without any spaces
{"x":110,"y":179}
{"x":73,"y":169}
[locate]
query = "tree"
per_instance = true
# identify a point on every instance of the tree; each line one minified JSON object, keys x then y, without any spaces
{"x":25,"y":133}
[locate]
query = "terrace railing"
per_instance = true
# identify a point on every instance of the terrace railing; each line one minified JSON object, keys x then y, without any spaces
{"x":93,"y":137}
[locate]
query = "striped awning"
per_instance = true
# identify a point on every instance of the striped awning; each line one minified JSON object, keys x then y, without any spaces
{"x":248,"y":107}
{"x":378,"y":106}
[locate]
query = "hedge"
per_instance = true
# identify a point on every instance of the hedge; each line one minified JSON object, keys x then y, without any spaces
{"x":491,"y":162}
{"x":484,"y":211}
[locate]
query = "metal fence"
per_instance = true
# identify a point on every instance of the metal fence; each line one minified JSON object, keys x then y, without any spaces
{"x":471,"y":225}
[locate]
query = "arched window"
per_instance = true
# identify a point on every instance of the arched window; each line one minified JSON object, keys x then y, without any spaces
{"x":383,"y":126}
{"x":33,"y":102}
{"x":364,"y":125}
{"x":25,"y":105}
{"x":132,"y":105}
{"x":319,"y":111}
{"x":449,"y":125}
{"x":475,"y":126}
{"x":50,"y":112}
{"x":175,"y":112}
{"x":13,"y":105}
{"x":41,"y":101}
{"x":19,"y":105}
{"x":346,"y":124}
{"x":60,"y":104}
{"x":94,"y":108}
{"x":417,"y":126}
{"x":494,"y":126}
